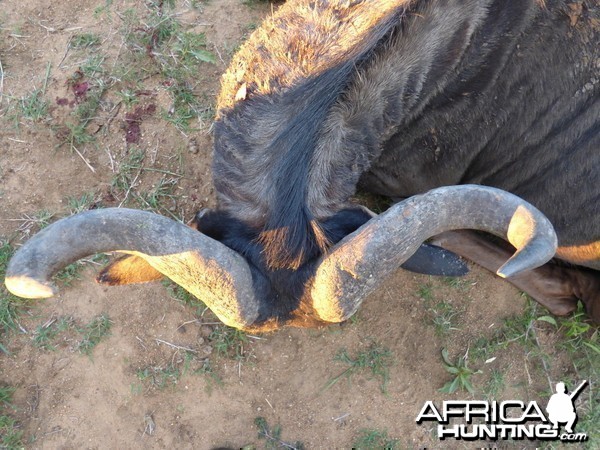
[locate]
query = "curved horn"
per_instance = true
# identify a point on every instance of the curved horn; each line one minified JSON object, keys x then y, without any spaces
{"x":358,"y":263}
{"x":208,"y":269}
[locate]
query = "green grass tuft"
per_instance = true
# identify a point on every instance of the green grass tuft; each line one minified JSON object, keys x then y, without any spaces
{"x":191,"y":49}
{"x":11,"y":437}
{"x":376,"y":359}
{"x":93,"y":333}
{"x":229,"y":342}
{"x":10,"y":306}
{"x":272,"y":436}
{"x":34,"y":106}
{"x":495,"y":385}
{"x":462,"y":374}
{"x":46,"y":334}
{"x":370,"y":439}
{"x":160,"y":377}
{"x":84,"y":40}
{"x":443,"y":316}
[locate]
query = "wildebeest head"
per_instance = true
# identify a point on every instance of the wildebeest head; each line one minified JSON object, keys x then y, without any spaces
{"x":284,"y":246}
{"x":241,"y":296}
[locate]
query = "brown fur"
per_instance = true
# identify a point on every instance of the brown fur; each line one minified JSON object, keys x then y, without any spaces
{"x":128,"y":269}
{"x":302,"y":39}
{"x":557,"y":287}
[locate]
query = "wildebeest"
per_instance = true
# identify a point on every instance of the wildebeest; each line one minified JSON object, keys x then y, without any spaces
{"x":396,"y":98}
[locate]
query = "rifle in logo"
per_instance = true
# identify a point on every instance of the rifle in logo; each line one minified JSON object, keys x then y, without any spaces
{"x":560,"y":407}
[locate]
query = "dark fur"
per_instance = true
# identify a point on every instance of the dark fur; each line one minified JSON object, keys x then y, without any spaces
{"x":282,"y":290}
{"x":401,"y":97}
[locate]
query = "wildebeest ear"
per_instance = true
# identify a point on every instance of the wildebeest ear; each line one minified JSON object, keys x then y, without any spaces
{"x":213,"y":223}
{"x":128,"y":269}
{"x":344,"y":222}
{"x":436,"y":261}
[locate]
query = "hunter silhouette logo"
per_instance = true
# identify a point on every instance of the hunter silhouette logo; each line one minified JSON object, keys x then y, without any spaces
{"x":560,"y":407}
{"x":509,"y":419}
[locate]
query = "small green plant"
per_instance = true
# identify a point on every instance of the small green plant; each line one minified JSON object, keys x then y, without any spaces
{"x":376,"y":359}
{"x":191,"y":48}
{"x":229,"y":342}
{"x":370,"y":439}
{"x":443,"y":315}
{"x":93,"y":333}
{"x":495,"y":385}
{"x":129,"y":169}
{"x":462,"y":374}
{"x":87,"y":109}
{"x":169,"y":375}
{"x":42,"y":218}
{"x":582,"y":343}
{"x":10,"y":306}
{"x":136,"y":389}
{"x":93,"y":66}
{"x":519,"y":328}
{"x":160,"y":198}
{"x":84,"y":40}
{"x":80,"y":204}
{"x":255,"y":2}
{"x":589,"y":418}
{"x":272,"y":436}
{"x":99,"y":10}
{"x":206,"y":370}
{"x":46,"y":333}
{"x":160,"y":377}
{"x":161,"y":193}
{"x":33,"y":106}
{"x":575,"y":326}
{"x":6,"y":393}
{"x":425,"y":291}
{"x":129,"y":97}
{"x":456,"y":283}
{"x":89,"y":85}
{"x":11,"y":437}
{"x":70,"y":273}
{"x":185,"y":108}
{"x":159,"y":43}
{"x":75,"y":135}
{"x":581,"y":339}
{"x":149,"y":34}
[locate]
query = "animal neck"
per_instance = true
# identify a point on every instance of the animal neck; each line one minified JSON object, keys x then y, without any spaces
{"x":408,"y":68}
{"x":265,"y":139}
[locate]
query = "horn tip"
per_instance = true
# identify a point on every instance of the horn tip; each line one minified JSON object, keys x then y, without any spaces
{"x":509,"y":269}
{"x":512,"y":268}
{"x":27,"y":287}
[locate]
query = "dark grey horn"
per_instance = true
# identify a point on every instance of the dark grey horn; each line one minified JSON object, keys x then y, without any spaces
{"x":206,"y":268}
{"x":358,"y":264}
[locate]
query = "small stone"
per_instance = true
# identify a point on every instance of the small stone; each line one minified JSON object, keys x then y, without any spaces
{"x":206,"y":331}
{"x":193,"y":146}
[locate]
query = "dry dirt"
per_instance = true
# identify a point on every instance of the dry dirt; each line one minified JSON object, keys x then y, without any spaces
{"x":67,"y":400}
